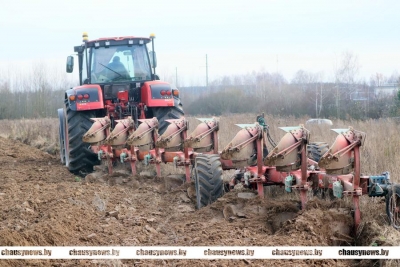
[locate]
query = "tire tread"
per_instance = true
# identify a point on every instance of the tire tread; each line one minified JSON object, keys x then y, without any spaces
{"x":208,"y":179}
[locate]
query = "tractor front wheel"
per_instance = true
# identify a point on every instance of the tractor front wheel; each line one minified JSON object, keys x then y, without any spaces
{"x":208,"y":179}
{"x":79,"y":158}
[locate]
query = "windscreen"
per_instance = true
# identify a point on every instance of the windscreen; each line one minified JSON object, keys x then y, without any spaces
{"x":120,"y":63}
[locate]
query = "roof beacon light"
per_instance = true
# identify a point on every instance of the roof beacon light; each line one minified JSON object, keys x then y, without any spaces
{"x":85,"y":37}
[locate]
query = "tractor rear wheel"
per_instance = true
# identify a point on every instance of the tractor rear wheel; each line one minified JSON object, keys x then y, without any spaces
{"x":79,"y":158}
{"x":208,"y":179}
{"x":316,"y":150}
{"x":61,"y":134}
{"x":393,"y":206}
{"x":167,"y":113}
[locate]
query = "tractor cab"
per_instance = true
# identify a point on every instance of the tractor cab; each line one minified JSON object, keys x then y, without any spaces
{"x":114,"y":60}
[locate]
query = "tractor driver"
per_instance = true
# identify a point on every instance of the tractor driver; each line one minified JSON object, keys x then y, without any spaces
{"x":116,"y":70}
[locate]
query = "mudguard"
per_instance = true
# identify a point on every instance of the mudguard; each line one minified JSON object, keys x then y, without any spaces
{"x":151,"y":94}
{"x":95,"y":100}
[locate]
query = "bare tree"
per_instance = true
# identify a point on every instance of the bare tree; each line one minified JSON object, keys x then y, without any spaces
{"x":377,"y":79}
{"x":308,"y":81}
{"x":345,"y":76}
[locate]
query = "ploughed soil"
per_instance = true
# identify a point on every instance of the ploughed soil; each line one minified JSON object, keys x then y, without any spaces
{"x":42,"y":204}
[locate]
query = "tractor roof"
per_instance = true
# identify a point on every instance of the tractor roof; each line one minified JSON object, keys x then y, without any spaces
{"x":145,"y":39}
{"x":112,"y":41}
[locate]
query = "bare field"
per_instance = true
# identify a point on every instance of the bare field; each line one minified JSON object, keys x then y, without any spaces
{"x":43,"y":204}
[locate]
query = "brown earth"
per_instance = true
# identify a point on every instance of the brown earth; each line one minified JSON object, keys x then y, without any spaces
{"x":42,"y":204}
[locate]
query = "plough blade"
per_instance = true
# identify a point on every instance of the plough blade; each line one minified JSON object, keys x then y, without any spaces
{"x":242,"y":148}
{"x":339,"y":131}
{"x":286,"y":155}
{"x":205,"y":119}
{"x":246,"y":125}
{"x":201,"y":139}
{"x":171,"y":139}
{"x":120,"y":133}
{"x":289,"y":129}
{"x":97,"y":131}
{"x":339,"y":159}
{"x":143,"y":137}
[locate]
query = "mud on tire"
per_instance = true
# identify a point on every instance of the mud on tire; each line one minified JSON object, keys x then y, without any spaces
{"x":208,"y":179}
{"x":167,"y":113}
{"x":79,"y":158}
{"x":393,"y":205}
{"x":316,"y":150}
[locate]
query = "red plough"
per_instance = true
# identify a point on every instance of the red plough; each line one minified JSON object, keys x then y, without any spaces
{"x":294,"y":162}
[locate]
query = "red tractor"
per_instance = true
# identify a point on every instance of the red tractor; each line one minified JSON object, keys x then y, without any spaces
{"x":117,"y":80}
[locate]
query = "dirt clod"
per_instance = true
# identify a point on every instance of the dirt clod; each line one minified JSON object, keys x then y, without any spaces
{"x":151,"y":229}
{"x":246,"y":195}
{"x":113,"y":213}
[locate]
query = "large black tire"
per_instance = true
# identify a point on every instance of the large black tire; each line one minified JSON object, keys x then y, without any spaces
{"x":393,"y":205}
{"x":61,"y":134}
{"x":167,"y":113}
{"x":316,"y":150}
{"x":208,"y":179}
{"x":79,"y":158}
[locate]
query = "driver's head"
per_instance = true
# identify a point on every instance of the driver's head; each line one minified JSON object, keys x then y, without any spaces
{"x":116,"y":59}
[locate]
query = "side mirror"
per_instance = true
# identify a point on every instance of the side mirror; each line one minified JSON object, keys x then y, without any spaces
{"x":70,"y":64}
{"x":153,"y":59}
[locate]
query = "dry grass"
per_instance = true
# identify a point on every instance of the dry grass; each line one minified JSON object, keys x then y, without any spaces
{"x":39,"y":133}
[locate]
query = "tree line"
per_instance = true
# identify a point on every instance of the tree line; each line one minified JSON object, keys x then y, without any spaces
{"x":38,"y":92}
{"x":272,"y":94}
{"x":344,"y":97}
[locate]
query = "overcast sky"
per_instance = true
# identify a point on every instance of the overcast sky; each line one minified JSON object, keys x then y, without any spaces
{"x":238,"y":36}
